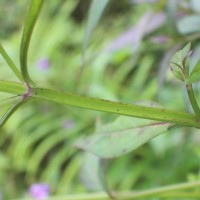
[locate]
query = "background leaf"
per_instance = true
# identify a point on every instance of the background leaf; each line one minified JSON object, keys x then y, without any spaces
{"x":189,"y":24}
{"x":122,"y":136}
{"x":95,"y":12}
{"x":196,"y":5}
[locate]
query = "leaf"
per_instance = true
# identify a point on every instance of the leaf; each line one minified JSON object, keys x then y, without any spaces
{"x":10,"y":63}
{"x":189,"y":24}
{"x":196,"y":5}
{"x":180,"y":62}
{"x":177,"y":71}
{"x":132,"y":37}
{"x":31,"y":19}
{"x":12,"y":87}
{"x":90,"y":177}
{"x":195,"y":74}
{"x":11,"y":111}
{"x":95,"y":12}
{"x":122,"y":136}
{"x":103,"y":178}
{"x":180,"y":56}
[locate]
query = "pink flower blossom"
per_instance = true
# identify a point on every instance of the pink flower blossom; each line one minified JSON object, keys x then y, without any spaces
{"x":39,"y":191}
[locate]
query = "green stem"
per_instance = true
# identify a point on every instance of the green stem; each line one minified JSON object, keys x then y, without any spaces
{"x":132,"y":110}
{"x":192,"y":99}
{"x":165,"y":191}
{"x":10,"y":63}
{"x":194,"y":194}
{"x":33,"y":12}
{"x":190,"y":92}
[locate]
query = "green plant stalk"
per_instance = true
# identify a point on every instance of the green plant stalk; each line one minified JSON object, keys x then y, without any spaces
{"x":194,"y":194}
{"x":192,"y":99}
{"x":177,"y":190}
{"x":131,"y":110}
{"x":190,"y":92}
{"x":33,"y":12}
{"x":10,"y":63}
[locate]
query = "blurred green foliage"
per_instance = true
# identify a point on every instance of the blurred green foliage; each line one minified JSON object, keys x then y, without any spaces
{"x":127,"y":60}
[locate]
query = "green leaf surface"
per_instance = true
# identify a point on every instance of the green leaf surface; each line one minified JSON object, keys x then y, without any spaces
{"x":180,"y":56}
{"x":189,"y":24}
{"x":95,"y":12}
{"x":89,"y":177}
{"x":10,"y":63}
{"x":195,"y":74}
{"x":122,"y":136}
{"x":177,"y":71}
{"x":33,"y":12}
{"x":180,"y":62}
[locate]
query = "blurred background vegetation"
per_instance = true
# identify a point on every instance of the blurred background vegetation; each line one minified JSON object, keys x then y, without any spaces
{"x":127,"y":61}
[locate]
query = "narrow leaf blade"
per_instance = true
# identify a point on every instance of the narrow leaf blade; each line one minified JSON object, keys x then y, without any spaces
{"x":33,"y":12}
{"x":95,"y":12}
{"x":12,"y":87}
{"x":11,"y":111}
{"x":10,"y":63}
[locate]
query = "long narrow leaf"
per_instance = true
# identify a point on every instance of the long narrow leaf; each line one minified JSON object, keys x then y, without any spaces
{"x":31,"y":19}
{"x":95,"y":12}
{"x":11,"y":111}
{"x":12,"y":87}
{"x":10,"y":63}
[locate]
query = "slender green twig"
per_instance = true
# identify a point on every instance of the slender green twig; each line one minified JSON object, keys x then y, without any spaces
{"x":190,"y":92}
{"x":192,"y":99}
{"x":132,"y":110}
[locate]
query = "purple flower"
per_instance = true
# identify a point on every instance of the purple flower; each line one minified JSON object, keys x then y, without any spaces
{"x":39,"y":191}
{"x":43,"y":64}
{"x":144,"y":1}
{"x":68,"y":124}
{"x":160,"y":39}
